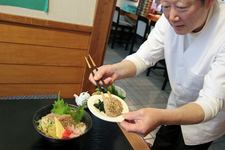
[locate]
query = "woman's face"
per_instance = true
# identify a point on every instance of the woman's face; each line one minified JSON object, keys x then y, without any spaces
{"x":185,"y":16}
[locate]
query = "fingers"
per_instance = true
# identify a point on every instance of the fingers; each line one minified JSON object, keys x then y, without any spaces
{"x":131,"y":115}
{"x":129,"y":125}
{"x":97,"y":76}
{"x":104,"y":72}
{"x":138,"y":122}
{"x":108,"y":81}
{"x":91,"y":78}
{"x":129,"y":121}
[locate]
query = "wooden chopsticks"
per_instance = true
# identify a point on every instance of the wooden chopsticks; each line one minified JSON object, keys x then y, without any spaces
{"x":101,"y":78}
{"x":100,"y":89}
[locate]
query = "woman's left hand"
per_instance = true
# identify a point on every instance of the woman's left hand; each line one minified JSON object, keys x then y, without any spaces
{"x":141,"y":122}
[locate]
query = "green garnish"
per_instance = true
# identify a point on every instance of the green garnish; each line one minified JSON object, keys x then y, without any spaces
{"x":79,"y":113}
{"x":62,"y":108}
{"x":112,"y":90}
{"x":100,"y":106}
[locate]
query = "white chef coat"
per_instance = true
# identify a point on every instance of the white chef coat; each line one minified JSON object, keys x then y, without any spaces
{"x":196,"y":74}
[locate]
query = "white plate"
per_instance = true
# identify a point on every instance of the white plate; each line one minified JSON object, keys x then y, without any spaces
{"x":94,"y":99}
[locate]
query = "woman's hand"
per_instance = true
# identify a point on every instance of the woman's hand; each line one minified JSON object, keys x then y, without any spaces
{"x":142,"y":121}
{"x":111,"y":73}
{"x":148,"y":119}
{"x":106,"y":72}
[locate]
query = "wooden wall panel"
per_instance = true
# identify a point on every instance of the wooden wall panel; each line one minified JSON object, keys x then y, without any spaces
{"x":44,"y":23}
{"x":41,"y":55}
{"x":67,"y":90}
{"x":39,"y":74}
{"x":38,"y":60}
{"x":28,"y":34}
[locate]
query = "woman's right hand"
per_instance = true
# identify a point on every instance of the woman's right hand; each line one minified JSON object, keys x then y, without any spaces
{"x":107,"y":73}
{"x":111,"y":73}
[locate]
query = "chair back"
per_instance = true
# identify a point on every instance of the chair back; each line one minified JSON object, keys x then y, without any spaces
{"x":119,"y":23}
{"x":151,"y":26}
{"x":141,"y":30}
{"x":142,"y":26}
{"x":116,"y":16}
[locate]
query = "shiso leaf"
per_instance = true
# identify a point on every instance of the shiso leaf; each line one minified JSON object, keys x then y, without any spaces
{"x":62,"y":108}
{"x":79,"y":113}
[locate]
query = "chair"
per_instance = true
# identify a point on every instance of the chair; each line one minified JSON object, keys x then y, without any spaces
{"x":141,"y":30}
{"x":163,"y":63}
{"x":120,"y":25}
{"x":151,"y":26}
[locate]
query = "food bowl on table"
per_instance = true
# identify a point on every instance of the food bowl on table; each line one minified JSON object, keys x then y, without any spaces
{"x":47,"y":110}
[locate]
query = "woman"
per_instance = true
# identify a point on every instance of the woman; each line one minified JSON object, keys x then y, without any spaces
{"x":190,"y":36}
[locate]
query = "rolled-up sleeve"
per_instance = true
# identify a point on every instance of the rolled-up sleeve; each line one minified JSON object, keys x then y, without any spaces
{"x":210,"y":105}
{"x":212,"y":96}
{"x":152,"y":50}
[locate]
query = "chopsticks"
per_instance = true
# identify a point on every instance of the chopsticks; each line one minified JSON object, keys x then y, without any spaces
{"x":100,"y":89}
{"x":101,"y":78}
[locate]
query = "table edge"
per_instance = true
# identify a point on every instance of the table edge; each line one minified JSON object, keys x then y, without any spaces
{"x":135,"y":140}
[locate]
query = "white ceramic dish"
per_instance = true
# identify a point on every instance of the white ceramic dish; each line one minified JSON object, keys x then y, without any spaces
{"x":94,"y":99}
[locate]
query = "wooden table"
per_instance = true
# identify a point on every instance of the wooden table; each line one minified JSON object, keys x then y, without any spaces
{"x":150,"y":17}
{"x":153,"y":17}
{"x":135,"y":140}
{"x":17,"y":131}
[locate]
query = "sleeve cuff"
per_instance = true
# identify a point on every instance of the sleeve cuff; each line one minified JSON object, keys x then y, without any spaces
{"x":139,"y":63}
{"x":210,"y":105}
